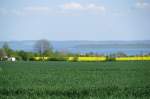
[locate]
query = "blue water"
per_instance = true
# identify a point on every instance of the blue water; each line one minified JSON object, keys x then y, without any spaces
{"x":111,"y":50}
{"x":75,"y":47}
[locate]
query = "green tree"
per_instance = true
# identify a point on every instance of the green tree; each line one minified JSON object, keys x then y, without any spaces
{"x":8,"y":50}
{"x":2,"y":54}
{"x":48,"y":53}
{"x":25,"y":55}
{"x":6,"y":46}
{"x":43,"y":47}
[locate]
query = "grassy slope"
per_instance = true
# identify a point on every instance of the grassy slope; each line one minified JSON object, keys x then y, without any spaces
{"x":75,"y":80}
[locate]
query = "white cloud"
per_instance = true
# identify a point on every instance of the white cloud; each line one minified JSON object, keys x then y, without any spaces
{"x":72,"y":6}
{"x":95,"y":7}
{"x":31,"y":10}
{"x":142,"y":4}
{"x":37,"y":8}
{"x":86,"y":7}
{"x":18,"y":12}
{"x":68,"y":9}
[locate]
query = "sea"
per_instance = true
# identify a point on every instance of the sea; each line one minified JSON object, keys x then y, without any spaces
{"x":83,"y":47}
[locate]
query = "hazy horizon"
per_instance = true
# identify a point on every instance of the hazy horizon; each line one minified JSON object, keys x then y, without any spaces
{"x":76,"y":40}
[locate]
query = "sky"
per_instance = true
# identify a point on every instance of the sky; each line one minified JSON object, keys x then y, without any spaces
{"x":61,"y":20}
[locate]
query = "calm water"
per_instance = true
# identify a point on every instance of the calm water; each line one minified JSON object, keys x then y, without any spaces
{"x":112,"y":50}
{"x":129,"y":48}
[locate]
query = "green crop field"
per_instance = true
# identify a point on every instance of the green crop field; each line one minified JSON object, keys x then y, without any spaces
{"x":75,"y":80}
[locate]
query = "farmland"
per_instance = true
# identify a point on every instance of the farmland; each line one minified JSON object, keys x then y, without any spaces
{"x":75,"y":80}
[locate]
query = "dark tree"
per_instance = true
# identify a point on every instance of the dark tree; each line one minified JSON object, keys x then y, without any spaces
{"x":43,"y":46}
{"x":8,"y":50}
{"x":2,"y":54}
{"x":6,"y":46}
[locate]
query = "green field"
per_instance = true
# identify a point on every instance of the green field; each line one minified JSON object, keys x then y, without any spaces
{"x":75,"y":80}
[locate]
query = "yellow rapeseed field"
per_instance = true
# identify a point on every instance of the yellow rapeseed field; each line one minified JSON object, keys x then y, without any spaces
{"x":100,"y":58}
{"x":71,"y":58}
{"x":40,"y":58}
{"x":134,"y":58}
{"x":91,"y":59}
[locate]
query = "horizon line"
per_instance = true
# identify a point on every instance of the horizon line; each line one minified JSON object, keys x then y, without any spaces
{"x":73,"y":40}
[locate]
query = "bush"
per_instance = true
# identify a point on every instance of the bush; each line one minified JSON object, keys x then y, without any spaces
{"x":57,"y":59}
{"x":110,"y":58}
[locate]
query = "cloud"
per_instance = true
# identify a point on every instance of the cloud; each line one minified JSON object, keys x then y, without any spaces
{"x":67,"y":9}
{"x":142,"y":4}
{"x":28,"y":10}
{"x":72,"y":6}
{"x":37,"y":8}
{"x":82,"y":7}
{"x":32,"y":10}
{"x":18,"y":12}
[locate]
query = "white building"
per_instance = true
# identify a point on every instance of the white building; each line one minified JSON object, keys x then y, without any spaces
{"x":12,"y":59}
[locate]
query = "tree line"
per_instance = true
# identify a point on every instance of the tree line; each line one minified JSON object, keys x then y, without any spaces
{"x":42,"y":48}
